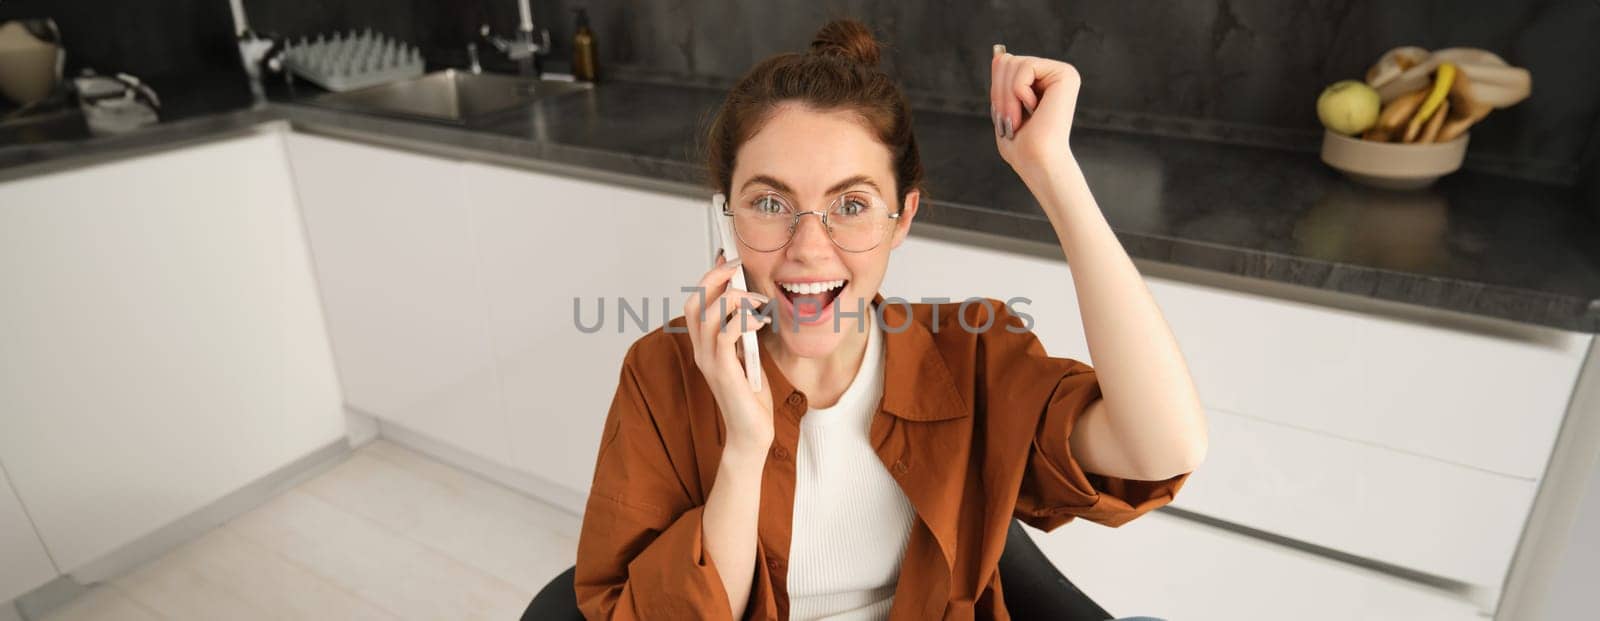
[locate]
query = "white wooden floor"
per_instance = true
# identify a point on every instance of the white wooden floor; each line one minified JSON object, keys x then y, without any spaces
{"x":387,"y":534}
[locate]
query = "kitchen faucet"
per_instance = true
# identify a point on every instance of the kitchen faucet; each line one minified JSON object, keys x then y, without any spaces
{"x":523,"y":48}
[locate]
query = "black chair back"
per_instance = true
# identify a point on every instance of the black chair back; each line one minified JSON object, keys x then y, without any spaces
{"x":1034,"y":588}
{"x":556,"y":601}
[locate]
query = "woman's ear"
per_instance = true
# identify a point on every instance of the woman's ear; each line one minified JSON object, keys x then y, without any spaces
{"x":908,"y":211}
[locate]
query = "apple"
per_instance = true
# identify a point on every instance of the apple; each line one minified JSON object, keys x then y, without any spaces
{"x":1348,"y":107}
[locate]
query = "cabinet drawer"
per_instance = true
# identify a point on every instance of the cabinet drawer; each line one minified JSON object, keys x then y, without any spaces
{"x":1482,"y":401}
{"x":1412,"y":511}
{"x":1172,"y":568}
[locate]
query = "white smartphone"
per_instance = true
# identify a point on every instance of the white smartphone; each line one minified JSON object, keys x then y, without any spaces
{"x":722,"y":239}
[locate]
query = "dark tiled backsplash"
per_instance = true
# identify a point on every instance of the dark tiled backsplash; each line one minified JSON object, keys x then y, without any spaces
{"x":1235,"y":70}
{"x":1238,"y":70}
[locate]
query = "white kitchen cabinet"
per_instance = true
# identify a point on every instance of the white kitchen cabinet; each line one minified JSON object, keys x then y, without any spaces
{"x":394,"y":246}
{"x":1172,"y":568}
{"x":163,"y":340}
{"x":1477,"y":400}
{"x":450,"y":290}
{"x":24,"y":565}
{"x":1376,"y":503}
{"x":1410,"y":444}
{"x":546,"y":242}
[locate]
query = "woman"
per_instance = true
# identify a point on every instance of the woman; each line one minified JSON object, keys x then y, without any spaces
{"x":875,"y":472}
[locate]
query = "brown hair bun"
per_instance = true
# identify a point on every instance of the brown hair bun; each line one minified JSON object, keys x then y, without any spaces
{"x":848,"y":39}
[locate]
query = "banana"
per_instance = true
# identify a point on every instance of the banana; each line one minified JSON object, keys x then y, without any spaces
{"x":1397,"y":112}
{"x":1444,"y":77}
{"x":1431,"y":132}
{"x":1464,"y":110}
{"x":1457,"y":125}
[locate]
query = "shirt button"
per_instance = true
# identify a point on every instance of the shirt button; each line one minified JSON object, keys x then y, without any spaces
{"x":781,"y":453}
{"x":900,"y":467}
{"x":774,"y":564}
{"x":795,"y":398}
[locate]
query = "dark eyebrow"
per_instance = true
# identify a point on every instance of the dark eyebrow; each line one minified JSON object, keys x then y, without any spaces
{"x":837,"y":187}
{"x":767,"y":180}
{"x":854,"y":181}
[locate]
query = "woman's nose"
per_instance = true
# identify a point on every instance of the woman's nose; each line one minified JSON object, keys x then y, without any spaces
{"x":810,"y":235}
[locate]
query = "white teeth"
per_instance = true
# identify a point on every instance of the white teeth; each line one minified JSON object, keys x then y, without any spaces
{"x":811,"y":288}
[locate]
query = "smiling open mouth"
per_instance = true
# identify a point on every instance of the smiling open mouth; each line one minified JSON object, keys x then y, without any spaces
{"x":810,"y":299}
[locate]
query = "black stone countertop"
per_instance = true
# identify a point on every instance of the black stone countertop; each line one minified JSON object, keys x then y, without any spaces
{"x":1474,"y":243}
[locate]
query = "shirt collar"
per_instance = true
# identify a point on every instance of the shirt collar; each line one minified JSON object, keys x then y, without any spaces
{"x":923,"y":389}
{"x":917,"y":384}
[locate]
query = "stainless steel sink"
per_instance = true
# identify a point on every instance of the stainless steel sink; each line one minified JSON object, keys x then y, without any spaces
{"x":450,"y":95}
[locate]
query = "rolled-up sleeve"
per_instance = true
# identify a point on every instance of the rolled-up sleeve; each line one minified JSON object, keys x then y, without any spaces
{"x":1055,"y":489}
{"x":1048,"y":395}
{"x":640,"y":551}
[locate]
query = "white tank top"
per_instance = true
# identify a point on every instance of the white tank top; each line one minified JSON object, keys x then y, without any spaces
{"x":851,"y":520}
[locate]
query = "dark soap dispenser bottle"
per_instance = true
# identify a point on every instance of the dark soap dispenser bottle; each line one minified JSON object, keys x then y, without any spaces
{"x":584,"y":66}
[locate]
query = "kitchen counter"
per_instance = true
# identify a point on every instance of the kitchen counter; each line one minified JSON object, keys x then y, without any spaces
{"x":1475,"y":243}
{"x":194,"y":108}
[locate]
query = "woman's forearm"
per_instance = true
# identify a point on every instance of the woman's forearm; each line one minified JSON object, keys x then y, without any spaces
{"x":729,"y":519}
{"x":1152,"y":419}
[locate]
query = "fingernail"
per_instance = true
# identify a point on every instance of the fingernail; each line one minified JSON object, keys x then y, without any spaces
{"x":729,"y":265}
{"x":1009,"y":134}
{"x":759,"y":298}
{"x":719,"y":253}
{"x":999,"y":48}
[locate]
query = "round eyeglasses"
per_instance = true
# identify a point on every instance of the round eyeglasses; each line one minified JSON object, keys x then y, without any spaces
{"x":856,"y":221}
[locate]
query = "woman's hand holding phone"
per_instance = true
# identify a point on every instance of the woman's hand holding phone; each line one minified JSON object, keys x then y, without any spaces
{"x":714,"y":322}
{"x":732,"y":509}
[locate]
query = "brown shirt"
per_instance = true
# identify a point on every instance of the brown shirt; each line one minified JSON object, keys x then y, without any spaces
{"x":973,"y":425}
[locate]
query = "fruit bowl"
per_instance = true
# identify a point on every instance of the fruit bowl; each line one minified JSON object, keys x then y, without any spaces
{"x":1393,"y":165}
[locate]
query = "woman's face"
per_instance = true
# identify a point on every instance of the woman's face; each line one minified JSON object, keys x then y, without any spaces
{"x":809,"y":158}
